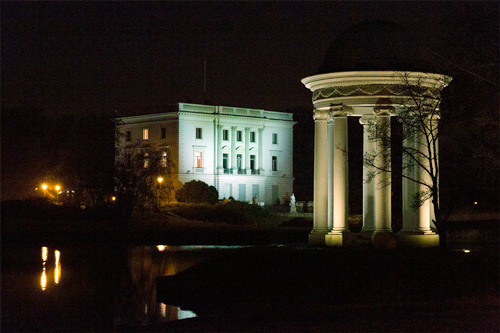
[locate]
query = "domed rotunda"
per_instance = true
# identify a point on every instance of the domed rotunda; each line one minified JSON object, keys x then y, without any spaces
{"x":371,"y":71}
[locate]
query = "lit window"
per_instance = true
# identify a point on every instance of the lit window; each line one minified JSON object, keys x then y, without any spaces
{"x":239,"y":135}
{"x":163,"y":132}
{"x":145,"y":133}
{"x":198,"y":160}
{"x":225,"y":135}
{"x":198,"y":133}
{"x":252,"y":136}
{"x":164,"y":159}
{"x":146,"y":160}
{"x":275,"y":138}
{"x":274,"y":163}
{"x":128,"y":136}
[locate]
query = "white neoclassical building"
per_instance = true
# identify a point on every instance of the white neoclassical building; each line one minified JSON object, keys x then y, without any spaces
{"x":242,"y":152}
{"x":361,"y":77}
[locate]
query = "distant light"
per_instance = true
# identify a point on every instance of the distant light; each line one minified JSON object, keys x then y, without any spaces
{"x":466,"y":251}
{"x":161,"y":248}
{"x":160,"y":179}
{"x":475,"y":202}
{"x":113,"y":198}
{"x":57,"y":187}
{"x":44,"y":186}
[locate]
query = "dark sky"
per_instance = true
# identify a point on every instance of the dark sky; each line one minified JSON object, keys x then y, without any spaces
{"x":87,"y":57}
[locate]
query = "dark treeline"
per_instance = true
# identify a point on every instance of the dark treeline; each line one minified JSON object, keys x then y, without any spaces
{"x":76,"y":151}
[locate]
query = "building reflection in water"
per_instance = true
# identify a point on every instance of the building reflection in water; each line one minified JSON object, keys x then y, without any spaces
{"x":57,"y":267}
{"x":146,"y":264}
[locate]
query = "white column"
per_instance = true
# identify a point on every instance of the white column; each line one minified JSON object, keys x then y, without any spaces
{"x":383,"y":215}
{"x":259,"y":154}
{"x":320,"y":228}
{"x":331,"y":137}
{"x":435,"y":157}
{"x":424,"y":211}
{"x":340,"y":176}
{"x":410,"y":188}
{"x":368,"y":181}
{"x":417,"y":220}
{"x":219,"y":146}
{"x":246,"y":160}
{"x":233,"y":149}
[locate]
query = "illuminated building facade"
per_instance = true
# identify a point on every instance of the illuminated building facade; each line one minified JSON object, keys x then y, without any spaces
{"x":244,"y":153}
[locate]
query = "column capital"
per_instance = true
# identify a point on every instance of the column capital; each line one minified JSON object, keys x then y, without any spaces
{"x":339,"y":110}
{"x":367,"y":119}
{"x":383,"y":110}
{"x":320,"y":114}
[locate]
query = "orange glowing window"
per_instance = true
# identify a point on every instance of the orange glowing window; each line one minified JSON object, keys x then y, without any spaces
{"x":198,"y":160}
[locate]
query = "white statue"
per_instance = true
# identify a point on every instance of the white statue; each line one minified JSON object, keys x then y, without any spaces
{"x":293,"y":209}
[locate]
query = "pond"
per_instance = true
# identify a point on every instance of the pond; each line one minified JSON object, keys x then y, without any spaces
{"x":91,"y":287}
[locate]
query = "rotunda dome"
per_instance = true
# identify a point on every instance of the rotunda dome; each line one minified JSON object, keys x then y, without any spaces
{"x":376,"y":46}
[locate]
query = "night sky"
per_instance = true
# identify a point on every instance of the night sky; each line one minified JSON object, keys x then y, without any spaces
{"x":92,"y":57}
{"x":104,"y":59}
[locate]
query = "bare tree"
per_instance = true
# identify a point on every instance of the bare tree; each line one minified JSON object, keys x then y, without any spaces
{"x":142,"y":176}
{"x":418,"y":110}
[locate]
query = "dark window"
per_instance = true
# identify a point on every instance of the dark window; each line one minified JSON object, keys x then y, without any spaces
{"x":225,"y":160}
{"x":128,"y":136}
{"x":274,"y":163}
{"x":252,"y":162}
{"x":198,"y":133}
{"x":238,"y":135}
{"x":252,"y":136}
{"x":225,"y":135}
{"x":275,"y":138}
{"x":163,"y":132}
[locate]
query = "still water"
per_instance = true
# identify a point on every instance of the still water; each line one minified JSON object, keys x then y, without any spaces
{"x":91,"y":287}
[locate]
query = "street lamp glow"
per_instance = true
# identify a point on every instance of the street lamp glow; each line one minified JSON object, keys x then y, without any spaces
{"x":57,"y":187}
{"x":44,"y":186}
{"x":159,"y":179}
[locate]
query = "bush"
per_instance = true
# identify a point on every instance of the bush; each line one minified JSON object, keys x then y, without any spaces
{"x":197,"y":191}
{"x":237,"y":212}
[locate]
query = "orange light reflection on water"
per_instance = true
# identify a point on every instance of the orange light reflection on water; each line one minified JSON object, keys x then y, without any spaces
{"x":43,"y":280}
{"x":57,"y":267}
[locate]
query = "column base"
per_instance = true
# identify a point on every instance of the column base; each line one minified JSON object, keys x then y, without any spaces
{"x":317,"y":237}
{"x":384,"y":240}
{"x":418,"y":239}
{"x":340,"y":238}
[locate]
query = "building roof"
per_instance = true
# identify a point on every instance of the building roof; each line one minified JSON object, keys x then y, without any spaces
{"x":377,"y":46}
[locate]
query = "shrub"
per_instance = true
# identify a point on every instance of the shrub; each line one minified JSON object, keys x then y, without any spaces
{"x":237,"y":212}
{"x":197,"y":191}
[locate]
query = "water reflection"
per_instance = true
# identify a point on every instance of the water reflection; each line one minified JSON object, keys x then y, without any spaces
{"x":57,"y":267}
{"x":104,"y":286}
{"x":43,"y":280}
{"x":146,"y":264}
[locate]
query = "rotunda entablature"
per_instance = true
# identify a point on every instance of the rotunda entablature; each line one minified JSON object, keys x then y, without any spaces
{"x":362,"y":91}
